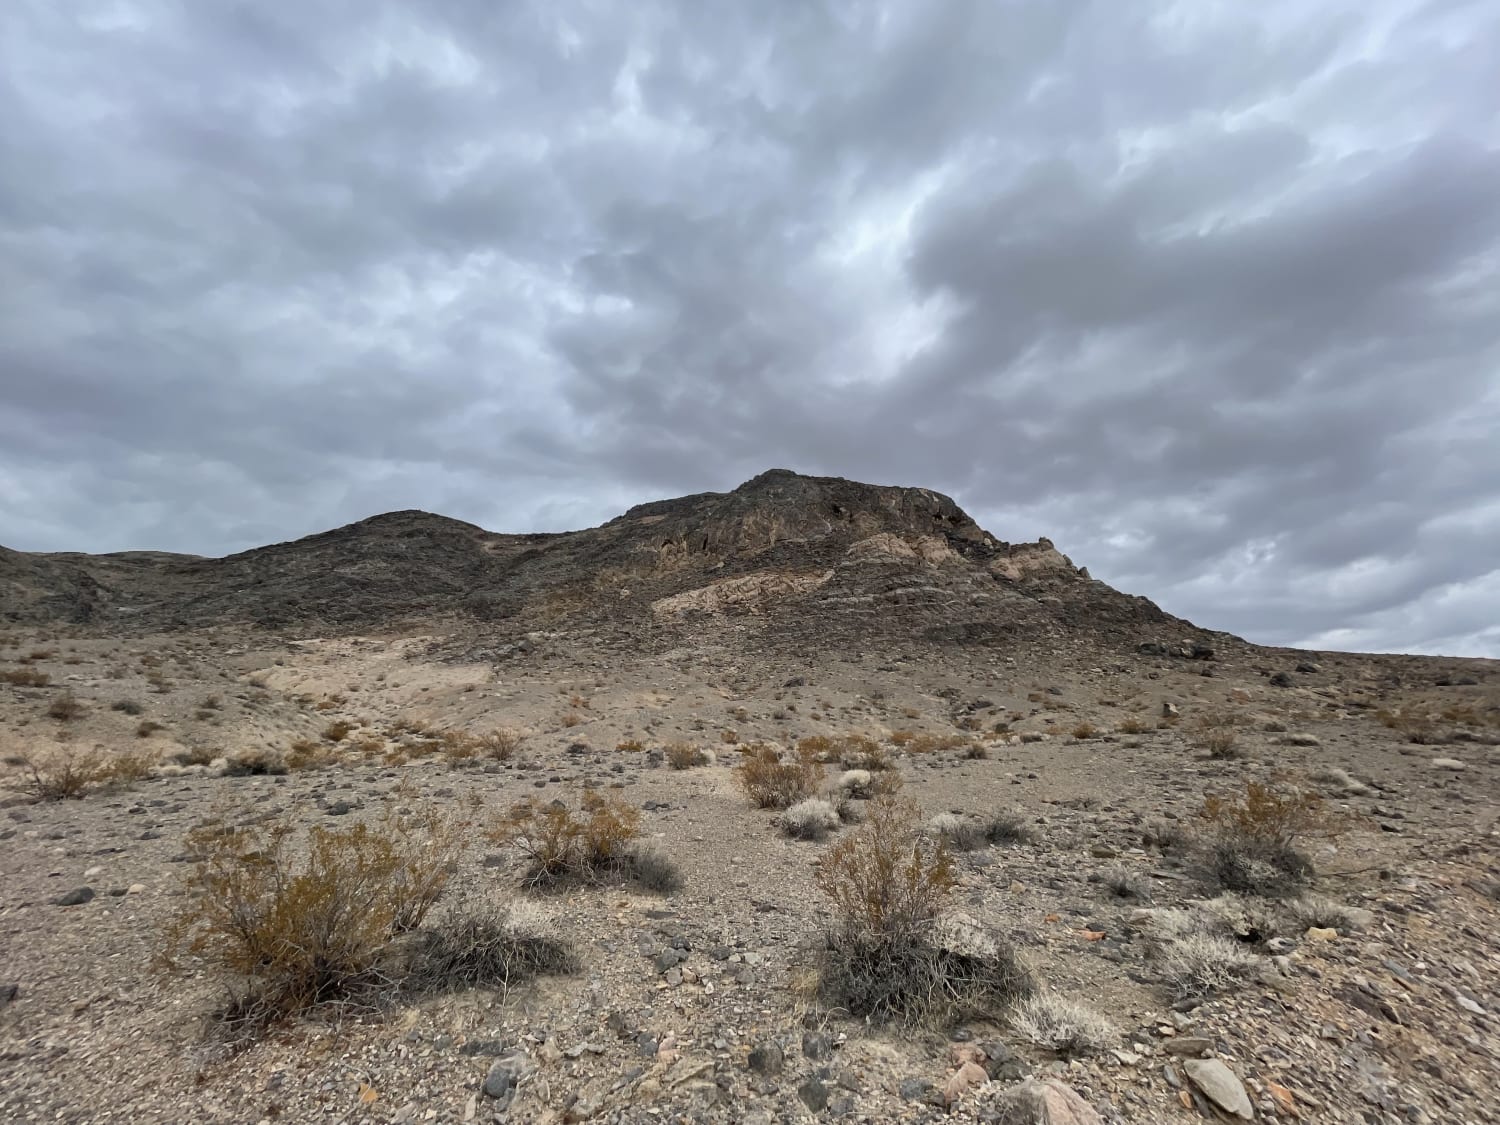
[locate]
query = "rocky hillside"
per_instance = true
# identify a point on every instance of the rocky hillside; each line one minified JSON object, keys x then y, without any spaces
{"x":820,"y":558}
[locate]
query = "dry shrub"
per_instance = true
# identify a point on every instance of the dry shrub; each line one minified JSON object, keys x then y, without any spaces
{"x":1201,"y":964}
{"x":959,"y":832}
{"x":257,"y":761}
{"x":1084,"y":731}
{"x":774,"y":782}
{"x":24,"y":677}
{"x":1132,"y":724}
{"x":126,"y":767}
{"x":1065,"y":1027}
{"x":1218,"y":734}
{"x":886,"y":878}
{"x":1250,"y":840}
{"x":487,"y":946}
{"x":886,"y":959}
{"x":305,"y":754}
{"x":811,"y":819}
{"x":289,"y":925}
{"x":65,"y":708}
{"x":337,"y":731}
{"x":126,"y":706}
{"x":931,"y":743}
{"x":558,"y":845}
{"x":1009,"y":828}
{"x":147,"y":728}
{"x":684,"y":755}
{"x":64,"y":776}
{"x":631,"y":746}
{"x":571,"y":719}
{"x":729,"y":737}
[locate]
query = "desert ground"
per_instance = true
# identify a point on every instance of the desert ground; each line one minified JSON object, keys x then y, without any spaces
{"x":1368,"y":995}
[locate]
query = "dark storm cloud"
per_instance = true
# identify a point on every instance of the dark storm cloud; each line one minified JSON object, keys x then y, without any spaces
{"x":1208,"y":293}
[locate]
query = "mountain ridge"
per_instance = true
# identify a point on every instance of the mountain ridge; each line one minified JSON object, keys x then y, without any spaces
{"x":804,"y":556}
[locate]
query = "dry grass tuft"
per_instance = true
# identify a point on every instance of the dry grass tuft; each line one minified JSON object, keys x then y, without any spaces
{"x":811,"y":819}
{"x":1202,"y":964}
{"x":599,"y":841}
{"x":65,"y":708}
{"x":1065,"y":1027}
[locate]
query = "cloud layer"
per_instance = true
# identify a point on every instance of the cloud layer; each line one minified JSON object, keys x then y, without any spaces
{"x":1209,"y":293}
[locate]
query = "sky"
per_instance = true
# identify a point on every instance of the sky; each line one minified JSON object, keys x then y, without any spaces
{"x":1207,"y":292}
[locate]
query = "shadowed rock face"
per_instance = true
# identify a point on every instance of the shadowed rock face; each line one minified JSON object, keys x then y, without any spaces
{"x":824,"y":561}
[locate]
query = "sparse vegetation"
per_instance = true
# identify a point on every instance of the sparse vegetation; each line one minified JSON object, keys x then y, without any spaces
{"x":126,"y":706}
{"x":487,"y":946}
{"x":1009,"y":827}
{"x":289,"y":928}
{"x":598,"y":842}
{"x":811,"y":819}
{"x":1201,"y":964}
{"x":685,"y":755}
{"x":64,"y":776}
{"x":65,"y":708}
{"x":1133,"y":724}
{"x":24,"y":677}
{"x":1251,"y":840}
{"x":1125,"y":884}
{"x":337,"y":731}
{"x":1065,"y":1027}
{"x":147,"y":727}
{"x":886,"y":959}
{"x":959,"y":832}
{"x":776,"y":782}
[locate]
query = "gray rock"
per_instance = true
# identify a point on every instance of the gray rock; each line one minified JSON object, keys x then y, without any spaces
{"x":767,"y":1059}
{"x":814,"y":1095}
{"x":1220,"y":1086}
{"x":1189,"y":1046}
{"x":920,"y":1090}
{"x":8,"y":993}
{"x":1043,"y":1102}
{"x":816,"y":1045}
{"x":76,"y":897}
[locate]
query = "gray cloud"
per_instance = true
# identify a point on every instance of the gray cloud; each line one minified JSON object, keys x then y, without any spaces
{"x":1210,"y":294}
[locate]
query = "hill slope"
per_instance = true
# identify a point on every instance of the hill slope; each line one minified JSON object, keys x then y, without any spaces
{"x":826,"y":560}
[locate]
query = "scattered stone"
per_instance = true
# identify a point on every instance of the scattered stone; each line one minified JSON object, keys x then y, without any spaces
{"x":76,"y":897}
{"x":919,"y":1090}
{"x":1043,"y":1102}
{"x":1220,"y":1086}
{"x":1321,"y":933}
{"x":962,"y":1080}
{"x":816,"y":1045}
{"x":814,"y":1095}
{"x":1188,"y":1045}
{"x":766,"y":1059}
{"x":1453,"y":765}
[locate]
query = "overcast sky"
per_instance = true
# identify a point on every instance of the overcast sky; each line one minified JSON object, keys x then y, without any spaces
{"x":1208,"y":292}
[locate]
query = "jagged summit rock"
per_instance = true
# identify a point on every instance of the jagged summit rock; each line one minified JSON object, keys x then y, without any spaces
{"x":817,"y":559}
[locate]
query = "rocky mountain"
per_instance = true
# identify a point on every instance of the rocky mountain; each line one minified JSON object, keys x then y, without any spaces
{"x":816,"y":560}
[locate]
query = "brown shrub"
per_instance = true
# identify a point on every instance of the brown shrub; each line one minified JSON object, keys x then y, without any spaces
{"x":774,"y":782}
{"x":886,"y":877}
{"x":306,"y":754}
{"x":24,"y":677}
{"x":303,"y":926}
{"x":65,"y":708}
{"x":684,"y":755}
{"x":64,"y":776}
{"x":557,"y":844}
{"x":1250,"y":842}
{"x":571,"y":719}
{"x":1083,"y":731}
{"x":1132,"y":724}
{"x":337,"y":731}
{"x":147,"y":728}
{"x":631,"y":746}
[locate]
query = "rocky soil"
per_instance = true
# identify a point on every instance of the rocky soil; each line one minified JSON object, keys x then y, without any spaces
{"x":1376,"y":1005}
